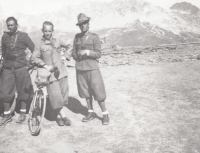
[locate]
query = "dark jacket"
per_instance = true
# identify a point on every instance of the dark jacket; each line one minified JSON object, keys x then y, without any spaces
{"x":14,"y":55}
{"x":90,"y":42}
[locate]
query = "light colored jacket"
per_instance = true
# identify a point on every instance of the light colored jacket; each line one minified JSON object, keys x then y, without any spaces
{"x":48,"y":53}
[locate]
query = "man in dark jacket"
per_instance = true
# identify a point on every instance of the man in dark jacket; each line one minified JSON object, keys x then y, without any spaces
{"x":15,"y":76}
{"x":86,"y":52}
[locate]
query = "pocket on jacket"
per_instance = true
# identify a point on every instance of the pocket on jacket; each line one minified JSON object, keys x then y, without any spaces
{"x":89,"y":45}
{"x":46,"y":50}
{"x":78,"y":47}
{"x":46,"y":55}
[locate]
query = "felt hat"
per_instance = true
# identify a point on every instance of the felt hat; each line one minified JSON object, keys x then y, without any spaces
{"x":82,"y":18}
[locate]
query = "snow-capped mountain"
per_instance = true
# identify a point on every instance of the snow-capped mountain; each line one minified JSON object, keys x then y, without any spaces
{"x":185,"y":7}
{"x":144,"y":33}
{"x":117,"y":13}
{"x":125,"y":19}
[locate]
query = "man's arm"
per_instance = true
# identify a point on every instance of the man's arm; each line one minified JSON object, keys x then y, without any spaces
{"x":3,"y":45}
{"x":36,"y":57}
{"x":74,"y":55}
{"x":36,"y":53}
{"x":68,"y":47}
{"x":29,"y":43}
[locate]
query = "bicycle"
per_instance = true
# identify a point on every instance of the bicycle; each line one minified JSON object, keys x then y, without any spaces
{"x":37,"y":110}
{"x":38,"y":107}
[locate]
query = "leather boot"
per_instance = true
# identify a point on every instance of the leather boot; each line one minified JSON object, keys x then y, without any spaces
{"x":67,"y":121}
{"x":21,"y":118}
{"x":90,"y":116}
{"x":6,"y":118}
{"x":59,"y":121}
{"x":105,"y":120}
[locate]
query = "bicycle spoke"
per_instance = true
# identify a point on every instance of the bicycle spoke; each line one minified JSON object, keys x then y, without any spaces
{"x":37,"y":112}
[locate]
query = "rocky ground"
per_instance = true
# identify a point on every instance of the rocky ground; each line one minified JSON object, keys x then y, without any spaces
{"x":154,"y":108}
{"x":132,"y":57}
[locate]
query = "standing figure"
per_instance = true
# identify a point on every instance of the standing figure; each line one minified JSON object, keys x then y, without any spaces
{"x":15,"y":76}
{"x":48,"y":57}
{"x":86,"y":52}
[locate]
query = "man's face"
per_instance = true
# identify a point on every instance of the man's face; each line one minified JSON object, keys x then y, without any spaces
{"x":47,"y":31}
{"x":12,"y":26}
{"x":84,"y":27}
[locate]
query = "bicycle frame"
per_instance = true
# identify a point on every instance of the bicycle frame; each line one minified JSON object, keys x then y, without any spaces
{"x":38,"y":107}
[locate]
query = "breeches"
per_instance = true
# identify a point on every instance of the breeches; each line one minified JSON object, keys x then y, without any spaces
{"x":90,"y":83}
{"x":58,"y":92}
{"x":15,"y":80}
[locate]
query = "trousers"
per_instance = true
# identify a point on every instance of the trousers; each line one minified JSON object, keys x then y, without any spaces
{"x":58,"y":92}
{"x":90,"y":83}
{"x":15,"y":80}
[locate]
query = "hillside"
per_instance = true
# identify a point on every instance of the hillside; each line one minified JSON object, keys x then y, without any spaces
{"x":144,"y":33}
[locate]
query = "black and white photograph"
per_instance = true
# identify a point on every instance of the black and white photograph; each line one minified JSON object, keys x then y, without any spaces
{"x":100,"y":76}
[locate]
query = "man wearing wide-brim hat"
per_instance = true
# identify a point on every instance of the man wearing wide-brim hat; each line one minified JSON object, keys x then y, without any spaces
{"x":86,"y":52}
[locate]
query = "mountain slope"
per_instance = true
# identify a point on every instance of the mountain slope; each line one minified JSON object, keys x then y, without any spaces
{"x":125,"y":22}
{"x":144,"y":33}
{"x":118,"y":13}
{"x":185,"y":7}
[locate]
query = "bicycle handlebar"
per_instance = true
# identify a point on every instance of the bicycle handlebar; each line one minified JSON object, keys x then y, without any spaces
{"x":54,"y":69}
{"x":31,"y":66}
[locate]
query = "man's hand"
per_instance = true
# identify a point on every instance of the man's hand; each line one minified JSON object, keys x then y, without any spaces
{"x":68,"y":59}
{"x":63,"y":58}
{"x":83,"y":52}
{"x":48,"y":67}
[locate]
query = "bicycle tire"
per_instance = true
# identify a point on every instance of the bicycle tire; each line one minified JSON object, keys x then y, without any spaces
{"x":38,"y":106}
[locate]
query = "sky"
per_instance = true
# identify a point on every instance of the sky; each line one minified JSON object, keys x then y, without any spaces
{"x":9,"y":7}
{"x":169,"y":3}
{"x":33,"y":7}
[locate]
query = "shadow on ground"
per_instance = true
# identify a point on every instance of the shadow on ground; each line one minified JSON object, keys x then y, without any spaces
{"x":1,"y":108}
{"x":74,"y":105}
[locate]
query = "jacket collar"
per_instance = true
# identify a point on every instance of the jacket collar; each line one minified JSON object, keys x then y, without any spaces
{"x":11,"y":34}
{"x":47,"y":41}
{"x":86,"y":34}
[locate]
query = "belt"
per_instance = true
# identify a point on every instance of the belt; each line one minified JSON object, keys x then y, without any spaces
{"x":13,"y":57}
{"x":12,"y":68}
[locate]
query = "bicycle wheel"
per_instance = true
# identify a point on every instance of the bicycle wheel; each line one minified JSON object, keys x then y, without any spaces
{"x":36,"y":113}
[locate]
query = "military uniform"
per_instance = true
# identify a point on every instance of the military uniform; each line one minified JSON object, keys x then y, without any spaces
{"x":48,"y":53}
{"x":89,"y":79}
{"x":15,"y":75}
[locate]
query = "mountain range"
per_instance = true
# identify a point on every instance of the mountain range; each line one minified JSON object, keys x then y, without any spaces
{"x":123,"y":22}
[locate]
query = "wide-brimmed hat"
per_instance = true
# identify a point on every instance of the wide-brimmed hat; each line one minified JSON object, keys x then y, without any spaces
{"x":82,"y":18}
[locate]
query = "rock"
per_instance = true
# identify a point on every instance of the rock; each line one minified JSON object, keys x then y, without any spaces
{"x":138,"y":52}
{"x":117,"y":48}
{"x":198,"y":57}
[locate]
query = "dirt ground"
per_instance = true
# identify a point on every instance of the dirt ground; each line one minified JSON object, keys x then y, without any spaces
{"x":153,"y":108}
